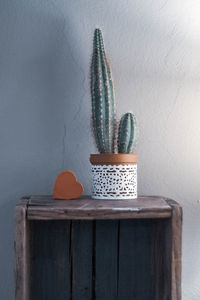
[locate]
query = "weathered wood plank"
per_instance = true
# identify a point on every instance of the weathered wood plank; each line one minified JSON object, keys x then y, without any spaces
{"x":166,"y":255}
{"x":82,"y":259}
{"x":161,"y":259}
{"x":176,"y":224}
{"x":106,"y":259}
{"x":90,"y":209}
{"x":79,"y":261}
{"x":135,"y":281}
{"x":51,"y":265}
{"x":22,"y":250}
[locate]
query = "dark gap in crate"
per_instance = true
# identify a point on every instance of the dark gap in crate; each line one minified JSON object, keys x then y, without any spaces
{"x":161,"y":258}
{"x":140,"y":248}
{"x":93,"y":262}
{"x":135,"y":278}
{"x":49,"y":260}
{"x":118,"y":240}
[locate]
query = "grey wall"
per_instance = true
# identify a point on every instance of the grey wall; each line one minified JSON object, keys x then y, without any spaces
{"x":45,"y":49}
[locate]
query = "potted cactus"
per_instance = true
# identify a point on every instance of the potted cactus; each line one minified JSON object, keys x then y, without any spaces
{"x":114,"y":175}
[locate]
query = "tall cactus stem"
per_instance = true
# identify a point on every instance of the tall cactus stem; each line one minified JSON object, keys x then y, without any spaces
{"x":103,"y":104}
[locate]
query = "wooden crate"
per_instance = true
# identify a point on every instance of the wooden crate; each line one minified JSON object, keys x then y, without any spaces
{"x":98,"y":249}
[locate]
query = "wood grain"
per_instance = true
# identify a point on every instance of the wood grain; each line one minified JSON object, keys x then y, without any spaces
{"x":161,"y":242}
{"x":166,"y":255}
{"x":176,"y":263}
{"x":98,"y":255}
{"x":106,"y":259}
{"x":51,"y":260}
{"x":82,"y":260}
{"x":134,"y":279}
{"x":90,"y":209}
{"x":22,"y":250}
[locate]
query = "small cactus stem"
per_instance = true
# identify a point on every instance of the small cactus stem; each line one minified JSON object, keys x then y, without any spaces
{"x":103,"y":113}
{"x":127,"y":133}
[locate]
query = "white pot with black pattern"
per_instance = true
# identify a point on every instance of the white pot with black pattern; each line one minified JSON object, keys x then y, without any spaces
{"x":114,"y":176}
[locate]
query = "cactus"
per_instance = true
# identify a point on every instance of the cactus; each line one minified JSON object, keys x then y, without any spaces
{"x":127,"y":133}
{"x":103,"y":105}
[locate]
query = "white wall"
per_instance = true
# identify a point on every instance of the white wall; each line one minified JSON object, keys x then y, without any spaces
{"x":45,"y":51}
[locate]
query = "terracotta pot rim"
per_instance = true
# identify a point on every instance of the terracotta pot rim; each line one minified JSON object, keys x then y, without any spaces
{"x":113,"y":159}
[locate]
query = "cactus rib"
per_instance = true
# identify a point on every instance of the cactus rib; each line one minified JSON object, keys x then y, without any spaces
{"x":127,"y":133}
{"x":103,"y":106}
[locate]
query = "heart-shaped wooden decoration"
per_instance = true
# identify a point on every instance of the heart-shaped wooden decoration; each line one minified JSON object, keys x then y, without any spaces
{"x":67,"y":186}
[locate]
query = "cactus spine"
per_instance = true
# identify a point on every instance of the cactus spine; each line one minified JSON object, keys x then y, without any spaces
{"x":127,"y":133}
{"x":103,"y":105}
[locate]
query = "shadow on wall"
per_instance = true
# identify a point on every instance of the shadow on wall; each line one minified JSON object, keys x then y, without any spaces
{"x":40,"y":104}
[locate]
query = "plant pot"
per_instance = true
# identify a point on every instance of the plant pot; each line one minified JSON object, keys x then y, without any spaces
{"x":114,"y":176}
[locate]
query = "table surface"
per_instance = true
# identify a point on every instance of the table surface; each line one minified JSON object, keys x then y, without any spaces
{"x":85,"y":208}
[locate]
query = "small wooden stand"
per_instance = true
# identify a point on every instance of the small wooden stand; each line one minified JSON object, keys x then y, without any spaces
{"x":98,"y":249}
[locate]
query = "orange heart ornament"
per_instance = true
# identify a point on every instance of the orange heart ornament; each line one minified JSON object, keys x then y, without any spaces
{"x":67,"y":186}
